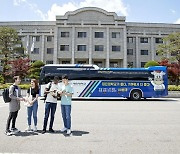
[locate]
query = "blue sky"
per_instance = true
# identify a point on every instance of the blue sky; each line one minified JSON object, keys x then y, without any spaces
{"x":149,"y":11}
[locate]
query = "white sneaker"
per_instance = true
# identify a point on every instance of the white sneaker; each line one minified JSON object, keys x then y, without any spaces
{"x":68,"y":132}
{"x":28,"y":129}
{"x":35,"y":128}
{"x":14,"y":130}
{"x":63,"y":129}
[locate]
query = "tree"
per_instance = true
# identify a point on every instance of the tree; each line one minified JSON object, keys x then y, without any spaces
{"x":10,"y":48}
{"x":171,"y":47}
{"x":151,"y":63}
{"x":19,"y":67}
{"x":36,"y":69}
{"x":173,"y":70}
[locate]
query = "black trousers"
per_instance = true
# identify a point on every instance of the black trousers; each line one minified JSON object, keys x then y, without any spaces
{"x":12,"y":116}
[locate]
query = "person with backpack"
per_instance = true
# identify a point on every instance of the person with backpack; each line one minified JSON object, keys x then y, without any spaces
{"x":51,"y":103}
{"x":32,"y":107}
{"x":14,"y":106}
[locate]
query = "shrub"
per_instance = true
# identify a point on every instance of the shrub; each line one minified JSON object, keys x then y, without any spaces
{"x":173,"y":88}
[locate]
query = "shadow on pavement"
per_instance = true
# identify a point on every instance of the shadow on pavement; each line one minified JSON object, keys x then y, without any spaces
{"x":25,"y":134}
{"x":74,"y":133}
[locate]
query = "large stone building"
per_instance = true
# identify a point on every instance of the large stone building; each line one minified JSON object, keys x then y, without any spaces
{"x":92,"y":36}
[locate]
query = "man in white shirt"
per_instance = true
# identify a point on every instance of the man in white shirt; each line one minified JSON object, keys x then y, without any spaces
{"x":51,"y":103}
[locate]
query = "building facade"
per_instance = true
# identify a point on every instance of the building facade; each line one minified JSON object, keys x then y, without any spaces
{"x":92,"y":36}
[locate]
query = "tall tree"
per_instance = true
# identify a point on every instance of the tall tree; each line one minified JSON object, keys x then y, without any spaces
{"x":10,"y":48}
{"x":171,"y":47}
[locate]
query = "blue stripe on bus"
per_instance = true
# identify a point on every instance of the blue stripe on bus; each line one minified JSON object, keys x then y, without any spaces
{"x":89,"y":91}
{"x":94,"y":88}
{"x":86,"y":88}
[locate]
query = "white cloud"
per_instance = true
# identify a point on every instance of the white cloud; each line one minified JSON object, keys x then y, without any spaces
{"x":177,"y":21}
{"x":60,"y":10}
{"x":32,"y":6}
{"x":173,"y":11}
{"x":111,"y":6}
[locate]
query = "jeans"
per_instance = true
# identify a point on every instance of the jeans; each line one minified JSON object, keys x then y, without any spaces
{"x":49,"y":107}
{"x":66,"y":115}
{"x":33,"y":109}
{"x":12,"y":116}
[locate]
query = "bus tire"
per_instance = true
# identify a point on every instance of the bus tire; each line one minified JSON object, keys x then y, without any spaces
{"x":136,"y":95}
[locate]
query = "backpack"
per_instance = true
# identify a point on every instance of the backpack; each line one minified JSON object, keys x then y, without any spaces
{"x":5,"y":94}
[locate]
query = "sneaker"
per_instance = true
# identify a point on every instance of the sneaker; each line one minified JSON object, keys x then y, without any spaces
{"x":15,"y":130}
{"x":43,"y":131}
{"x":51,"y":130}
{"x":8,"y":133}
{"x":28,"y":129}
{"x":35,"y":128}
{"x":68,"y":132}
{"x":63,"y":129}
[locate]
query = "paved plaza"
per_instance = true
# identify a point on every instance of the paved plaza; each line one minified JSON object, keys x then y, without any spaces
{"x":101,"y":127}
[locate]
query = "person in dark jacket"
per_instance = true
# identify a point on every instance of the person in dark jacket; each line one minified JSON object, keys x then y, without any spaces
{"x":14,"y":106}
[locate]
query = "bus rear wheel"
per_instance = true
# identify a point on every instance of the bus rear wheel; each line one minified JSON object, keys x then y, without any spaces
{"x":136,"y":95}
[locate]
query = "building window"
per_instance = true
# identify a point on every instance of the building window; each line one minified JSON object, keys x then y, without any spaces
{"x":64,"y":34}
{"x":130,"y":39}
{"x":81,"y":62}
{"x":159,"y":40}
{"x":99,"y":34}
{"x":49,"y":38}
{"x":144,"y":52}
{"x":144,"y":40}
{"x":130,"y":64}
{"x":49,"y":62}
{"x":64,"y":47}
{"x":81,"y":34}
{"x":35,"y":51}
{"x":174,"y":53}
{"x":36,"y":38}
{"x":66,"y":62}
{"x":50,"y":50}
{"x":81,"y":47}
{"x":116,"y":48}
{"x":32,"y":61}
{"x":99,"y":47}
{"x":129,"y":51}
{"x":98,"y":63}
{"x":115,"y":34}
{"x":143,"y":63}
{"x":114,"y":64}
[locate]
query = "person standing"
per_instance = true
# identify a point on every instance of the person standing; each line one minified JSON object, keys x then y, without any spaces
{"x":33,"y":93}
{"x":51,"y":103}
{"x":14,"y":106}
{"x":66,"y":93}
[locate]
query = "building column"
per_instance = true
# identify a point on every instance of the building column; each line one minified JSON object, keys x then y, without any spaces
{"x":137,"y":53}
{"x":90,"y":45}
{"x":27,"y":45}
{"x":152,"y":49}
{"x":55,"y":55}
{"x":107,"y":52}
{"x":42,"y":49}
{"x":73,"y":46}
{"x":125,"y":47}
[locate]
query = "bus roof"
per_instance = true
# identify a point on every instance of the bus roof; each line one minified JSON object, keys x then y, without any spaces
{"x":89,"y":66}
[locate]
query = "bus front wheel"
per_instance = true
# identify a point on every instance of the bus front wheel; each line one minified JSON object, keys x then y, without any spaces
{"x":136,"y":95}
